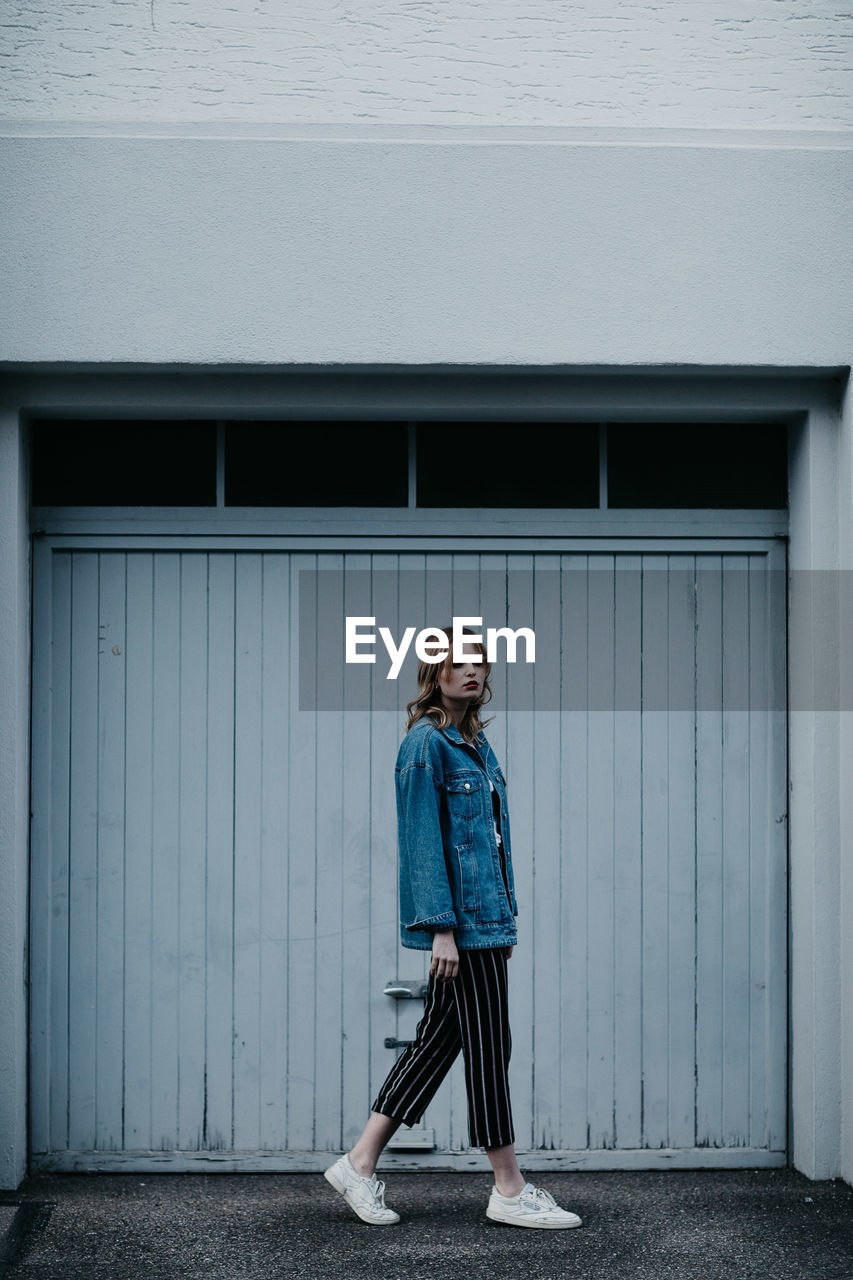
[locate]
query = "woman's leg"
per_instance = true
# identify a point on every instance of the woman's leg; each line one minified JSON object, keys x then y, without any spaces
{"x":480,"y":990}
{"x":508,"y":1177}
{"x":414,"y":1078}
{"x":470,"y":1011}
{"x":487,"y":991}
{"x":366,"y":1152}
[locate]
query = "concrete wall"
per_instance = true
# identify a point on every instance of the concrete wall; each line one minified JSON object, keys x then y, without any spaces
{"x":815,"y":799}
{"x":845,"y":539}
{"x":14,"y":796}
{"x":412,"y":249}
{"x":755,"y":64}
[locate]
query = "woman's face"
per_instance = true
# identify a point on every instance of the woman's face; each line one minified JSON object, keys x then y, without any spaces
{"x":461,"y":681}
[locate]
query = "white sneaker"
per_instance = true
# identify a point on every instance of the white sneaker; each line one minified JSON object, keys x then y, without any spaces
{"x":365,"y":1195}
{"x":532,"y":1207}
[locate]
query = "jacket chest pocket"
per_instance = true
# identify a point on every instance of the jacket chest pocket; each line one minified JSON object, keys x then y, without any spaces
{"x":464,"y":796}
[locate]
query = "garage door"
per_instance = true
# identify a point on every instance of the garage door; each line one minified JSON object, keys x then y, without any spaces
{"x":214,"y":897}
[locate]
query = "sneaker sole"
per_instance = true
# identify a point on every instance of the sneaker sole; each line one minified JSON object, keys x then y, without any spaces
{"x":510,"y":1220}
{"x":335,"y":1180}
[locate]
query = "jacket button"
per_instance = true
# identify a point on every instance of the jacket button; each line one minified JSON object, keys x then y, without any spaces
{"x":467,"y":786}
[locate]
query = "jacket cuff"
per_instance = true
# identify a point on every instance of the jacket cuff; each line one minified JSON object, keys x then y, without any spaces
{"x":447,"y":920}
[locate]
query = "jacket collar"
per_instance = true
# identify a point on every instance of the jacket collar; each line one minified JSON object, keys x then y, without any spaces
{"x":454,"y":735}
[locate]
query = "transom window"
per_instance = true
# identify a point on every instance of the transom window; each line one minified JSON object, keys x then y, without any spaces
{"x":404,"y":464}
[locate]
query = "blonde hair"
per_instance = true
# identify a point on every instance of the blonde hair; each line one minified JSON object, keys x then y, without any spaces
{"x":428,"y":700}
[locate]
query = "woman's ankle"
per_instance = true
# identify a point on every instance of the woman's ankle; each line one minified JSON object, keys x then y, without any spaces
{"x":509,"y":1189}
{"x":361,"y":1164}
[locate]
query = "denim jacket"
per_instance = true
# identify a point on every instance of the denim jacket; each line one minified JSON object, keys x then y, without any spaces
{"x":450,"y":872}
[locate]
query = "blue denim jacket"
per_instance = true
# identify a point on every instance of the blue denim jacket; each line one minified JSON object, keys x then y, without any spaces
{"x":450,"y":872}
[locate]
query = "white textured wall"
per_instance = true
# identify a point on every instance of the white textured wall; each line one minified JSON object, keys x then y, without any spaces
{"x":673,"y":63}
{"x":845,"y":538}
{"x":305,"y":251}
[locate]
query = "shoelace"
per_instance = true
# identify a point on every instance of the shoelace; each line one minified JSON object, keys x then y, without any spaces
{"x":378,"y":1190}
{"x":539,"y":1198}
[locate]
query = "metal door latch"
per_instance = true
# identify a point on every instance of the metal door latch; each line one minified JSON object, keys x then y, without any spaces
{"x":391,"y":1042}
{"x":403,"y":989}
{"x":412,"y":1140}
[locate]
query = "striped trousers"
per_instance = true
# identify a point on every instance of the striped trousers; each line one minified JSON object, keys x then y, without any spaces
{"x":470,"y":1013}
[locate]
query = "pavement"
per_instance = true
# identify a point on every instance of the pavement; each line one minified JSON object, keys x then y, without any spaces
{"x":662,"y":1225}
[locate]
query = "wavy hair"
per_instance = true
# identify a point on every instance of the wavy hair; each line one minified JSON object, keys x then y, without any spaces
{"x":428,"y":699}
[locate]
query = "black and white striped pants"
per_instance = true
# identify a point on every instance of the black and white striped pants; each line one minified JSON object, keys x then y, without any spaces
{"x":470,"y":1013}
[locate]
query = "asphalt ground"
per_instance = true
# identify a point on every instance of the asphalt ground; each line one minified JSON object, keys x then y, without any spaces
{"x":709,"y":1225}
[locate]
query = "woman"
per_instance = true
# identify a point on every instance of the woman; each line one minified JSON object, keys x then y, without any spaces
{"x":457,"y":899}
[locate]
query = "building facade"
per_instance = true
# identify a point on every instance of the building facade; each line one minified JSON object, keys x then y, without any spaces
{"x":619,"y":226}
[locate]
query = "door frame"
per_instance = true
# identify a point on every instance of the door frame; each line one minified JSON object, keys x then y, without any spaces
{"x":817,"y":408}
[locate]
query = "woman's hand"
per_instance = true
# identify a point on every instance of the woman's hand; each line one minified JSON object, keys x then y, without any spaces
{"x":445,"y":956}
{"x":509,"y":951}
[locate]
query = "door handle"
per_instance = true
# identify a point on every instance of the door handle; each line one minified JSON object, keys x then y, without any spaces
{"x":403,"y":989}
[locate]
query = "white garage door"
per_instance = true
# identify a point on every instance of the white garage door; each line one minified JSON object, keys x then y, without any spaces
{"x":214,"y":900}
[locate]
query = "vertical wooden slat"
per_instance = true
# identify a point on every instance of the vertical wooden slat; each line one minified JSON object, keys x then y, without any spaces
{"x":546,"y":904}
{"x":520,"y":771}
{"x":575,"y":791}
{"x":364,"y":1014}
{"x":139,"y":760}
{"x":627,"y":884}
{"x":600,"y":852}
{"x":165,"y":798}
{"x":394,"y":1017}
{"x":273,"y":853}
{"x":681,"y":843}
{"x":760,"y":837}
{"x":47,"y":648}
{"x":775,"y":938}
{"x":465,"y":602}
{"x":83,"y":903}
{"x":736,"y":897}
{"x":219,"y":899}
{"x":57,"y":857}
{"x":332,"y":915}
{"x":248,"y":751}
{"x":438,"y":605}
{"x":385,"y":730}
{"x":493,"y":609}
{"x":655,"y":855}
{"x":709,"y":851}
{"x":192,"y":755}
{"x":60,"y":853}
{"x":302,"y":901}
{"x":110,"y":944}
